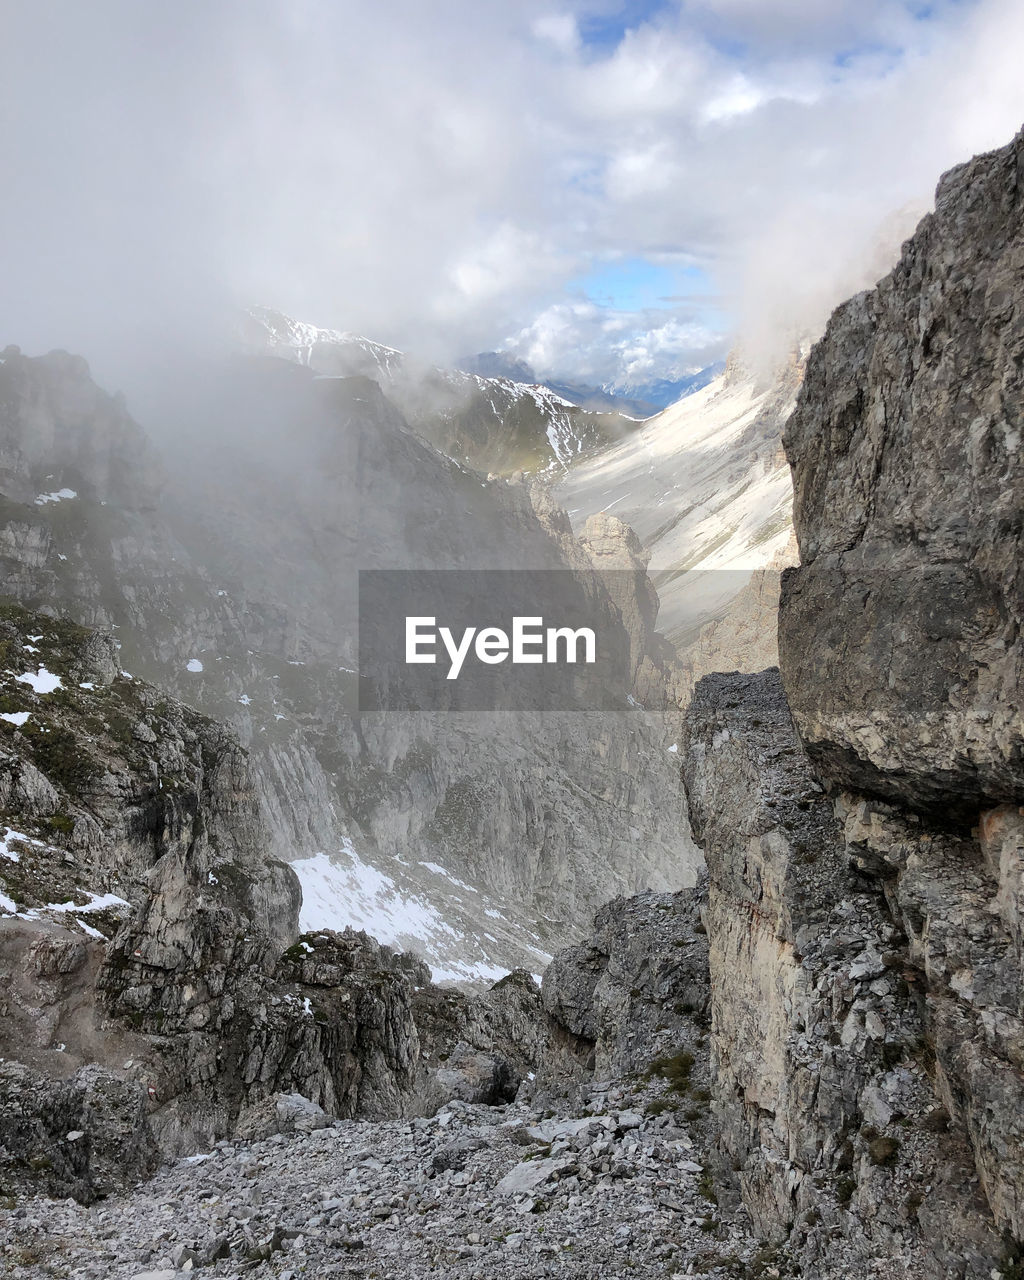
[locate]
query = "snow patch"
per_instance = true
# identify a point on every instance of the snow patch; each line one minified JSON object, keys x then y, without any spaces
{"x":193,"y":665}
{"x":480,"y":972}
{"x":97,"y":902}
{"x":41,"y":681}
{"x":438,"y":870}
{"x":336,"y":895}
{"x":59,"y":495}
{"x":15,"y":717}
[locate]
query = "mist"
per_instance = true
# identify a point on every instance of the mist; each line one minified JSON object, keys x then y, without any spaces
{"x":442,"y":178}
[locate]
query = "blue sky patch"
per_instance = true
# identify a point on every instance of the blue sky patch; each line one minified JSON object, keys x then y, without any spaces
{"x":638,"y":284}
{"x":603,"y":33}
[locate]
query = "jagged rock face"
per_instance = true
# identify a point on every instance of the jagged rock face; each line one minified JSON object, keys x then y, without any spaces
{"x":855,"y":1084}
{"x":51,"y":410}
{"x":900,"y":633}
{"x":235,"y":1022}
{"x":637,"y":990}
{"x":156,"y":996}
{"x":482,"y":1049}
{"x":84,"y":1137}
{"x":280,"y":485}
{"x":107,"y":782}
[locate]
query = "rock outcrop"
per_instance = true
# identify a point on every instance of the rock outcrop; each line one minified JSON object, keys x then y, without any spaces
{"x":865,"y":856}
{"x":900,"y":637}
{"x":634,"y":993}
{"x":837,"y":1125}
{"x":158,"y":996}
{"x":900,"y":633}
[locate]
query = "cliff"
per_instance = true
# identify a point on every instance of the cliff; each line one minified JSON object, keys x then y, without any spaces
{"x":862,"y":828}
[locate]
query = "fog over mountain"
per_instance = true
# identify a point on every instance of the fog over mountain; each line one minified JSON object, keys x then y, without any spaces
{"x":607,"y":190}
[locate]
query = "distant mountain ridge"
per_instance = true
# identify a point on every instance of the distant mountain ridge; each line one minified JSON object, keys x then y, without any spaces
{"x":641,"y":399}
{"x":664,"y":392}
{"x":498,"y":424}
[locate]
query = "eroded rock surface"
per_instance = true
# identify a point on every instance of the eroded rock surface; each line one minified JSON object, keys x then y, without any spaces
{"x":157,"y":995}
{"x":637,"y":990}
{"x":900,"y":644}
{"x":900,"y":633}
{"x":832,"y":1032}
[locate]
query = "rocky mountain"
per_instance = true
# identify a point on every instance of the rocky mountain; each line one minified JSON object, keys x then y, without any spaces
{"x":810,"y":1062}
{"x":226,"y":570}
{"x":494,"y":423}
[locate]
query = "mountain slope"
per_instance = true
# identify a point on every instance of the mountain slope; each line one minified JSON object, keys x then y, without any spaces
{"x":706,"y":486}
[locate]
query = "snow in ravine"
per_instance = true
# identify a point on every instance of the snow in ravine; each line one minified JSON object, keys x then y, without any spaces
{"x":342,"y":890}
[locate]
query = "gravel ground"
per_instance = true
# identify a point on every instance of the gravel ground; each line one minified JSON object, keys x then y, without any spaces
{"x":476,"y":1192}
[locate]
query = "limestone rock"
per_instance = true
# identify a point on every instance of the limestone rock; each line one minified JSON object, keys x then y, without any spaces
{"x":85,"y":1136}
{"x":637,"y":989}
{"x":832,"y":989}
{"x":281,"y":1113}
{"x":900,"y":633}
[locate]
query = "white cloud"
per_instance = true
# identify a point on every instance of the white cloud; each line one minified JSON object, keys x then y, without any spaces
{"x":558,"y":30}
{"x":619,"y":349}
{"x":437,"y":178}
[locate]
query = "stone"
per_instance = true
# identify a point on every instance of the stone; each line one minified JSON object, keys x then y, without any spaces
{"x":799,"y":1061}
{"x":282,"y":1113}
{"x":528,"y":1176}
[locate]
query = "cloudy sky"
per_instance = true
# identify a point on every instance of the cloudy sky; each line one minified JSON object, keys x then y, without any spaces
{"x":610,"y":190}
